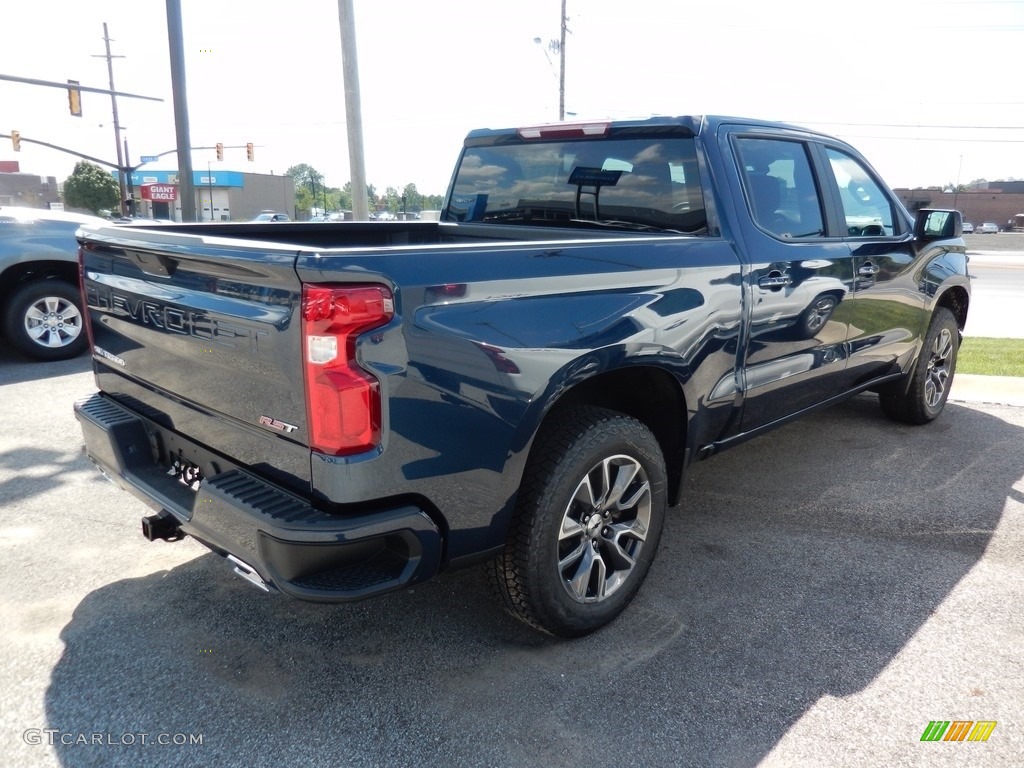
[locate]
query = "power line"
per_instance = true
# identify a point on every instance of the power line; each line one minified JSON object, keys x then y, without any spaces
{"x":933,"y":138}
{"x":918,"y":126}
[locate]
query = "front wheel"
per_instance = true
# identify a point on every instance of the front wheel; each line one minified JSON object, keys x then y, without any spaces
{"x":587,"y":523}
{"x":931,"y":377}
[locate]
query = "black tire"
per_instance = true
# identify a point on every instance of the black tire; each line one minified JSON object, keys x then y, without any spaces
{"x":44,"y":320}
{"x":922,"y":398}
{"x":573,"y":562}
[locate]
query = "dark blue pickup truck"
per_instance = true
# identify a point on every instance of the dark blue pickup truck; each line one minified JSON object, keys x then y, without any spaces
{"x":346,"y":409}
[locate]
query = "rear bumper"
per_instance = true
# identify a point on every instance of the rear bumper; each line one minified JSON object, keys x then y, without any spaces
{"x":302,"y":551}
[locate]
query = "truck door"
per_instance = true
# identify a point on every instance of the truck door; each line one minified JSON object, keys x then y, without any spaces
{"x":799,"y":283}
{"x":889,"y":297}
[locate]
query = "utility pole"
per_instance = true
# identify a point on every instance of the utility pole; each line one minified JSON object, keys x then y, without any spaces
{"x":561,"y":69}
{"x":956,"y":189}
{"x":209,"y":187}
{"x":353,"y":113}
{"x":131,"y":185}
{"x":176,"y":44}
{"x":558,"y":45}
{"x":117,"y":126}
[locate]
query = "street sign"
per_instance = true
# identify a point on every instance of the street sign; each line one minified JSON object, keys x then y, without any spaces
{"x":149,"y":158}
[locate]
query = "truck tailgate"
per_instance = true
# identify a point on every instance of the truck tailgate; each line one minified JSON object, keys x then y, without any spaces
{"x":202,"y":336}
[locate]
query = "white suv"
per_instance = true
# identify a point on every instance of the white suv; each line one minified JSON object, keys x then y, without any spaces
{"x":40,"y":305}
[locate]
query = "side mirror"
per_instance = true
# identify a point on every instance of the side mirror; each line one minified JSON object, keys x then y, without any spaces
{"x":938,"y":224}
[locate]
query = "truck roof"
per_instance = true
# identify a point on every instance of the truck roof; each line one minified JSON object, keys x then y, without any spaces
{"x":689,"y":124}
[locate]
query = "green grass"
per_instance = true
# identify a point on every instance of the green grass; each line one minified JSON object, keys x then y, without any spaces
{"x":991,"y":357}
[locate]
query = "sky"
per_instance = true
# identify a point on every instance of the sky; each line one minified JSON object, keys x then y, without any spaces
{"x":930,"y":91}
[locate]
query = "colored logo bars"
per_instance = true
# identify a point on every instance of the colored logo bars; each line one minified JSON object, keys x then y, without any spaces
{"x":958,"y":730}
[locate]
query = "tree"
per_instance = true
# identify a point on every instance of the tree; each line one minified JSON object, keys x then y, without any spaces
{"x":309,"y":187}
{"x":311,"y":192}
{"x":432,"y":202}
{"x":346,"y":197}
{"x":413,"y":199}
{"x":92,"y":188}
{"x":302,"y":174}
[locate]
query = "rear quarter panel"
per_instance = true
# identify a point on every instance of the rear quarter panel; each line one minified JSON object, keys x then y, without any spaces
{"x":470,"y":366}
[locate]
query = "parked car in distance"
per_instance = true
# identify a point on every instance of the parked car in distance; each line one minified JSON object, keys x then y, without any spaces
{"x":968,"y":228}
{"x":988,"y":228}
{"x":271,"y":216}
{"x":40,"y":305}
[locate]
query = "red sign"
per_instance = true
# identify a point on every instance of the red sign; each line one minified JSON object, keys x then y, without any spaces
{"x":160,"y":192}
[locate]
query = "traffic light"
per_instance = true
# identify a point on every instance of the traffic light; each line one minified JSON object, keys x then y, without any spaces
{"x":248,"y":151}
{"x":74,"y":98}
{"x":16,"y":140}
{"x":220,"y":151}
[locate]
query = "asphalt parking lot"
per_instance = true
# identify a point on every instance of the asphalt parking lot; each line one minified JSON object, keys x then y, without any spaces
{"x":822,"y":595}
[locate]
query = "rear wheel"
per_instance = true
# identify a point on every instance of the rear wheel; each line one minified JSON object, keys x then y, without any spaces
{"x":44,"y":320}
{"x":587,"y":523}
{"x":931,"y":377}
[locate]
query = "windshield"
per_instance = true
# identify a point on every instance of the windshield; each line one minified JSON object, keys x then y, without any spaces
{"x":635,"y":183}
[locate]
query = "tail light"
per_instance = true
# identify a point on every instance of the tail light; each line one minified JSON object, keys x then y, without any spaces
{"x":342,"y":399}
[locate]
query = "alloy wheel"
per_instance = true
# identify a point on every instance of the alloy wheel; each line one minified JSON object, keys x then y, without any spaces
{"x":604,"y":528}
{"x":937,"y":375}
{"x":53,"y":321}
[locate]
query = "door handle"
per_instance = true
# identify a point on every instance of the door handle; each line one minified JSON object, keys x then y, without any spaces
{"x":775,"y":279}
{"x":868,"y":270}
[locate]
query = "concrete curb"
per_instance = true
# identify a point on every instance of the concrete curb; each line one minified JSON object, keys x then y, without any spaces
{"x":1002,"y":390}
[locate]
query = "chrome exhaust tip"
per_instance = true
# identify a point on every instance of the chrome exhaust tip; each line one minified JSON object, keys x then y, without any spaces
{"x":248,"y":573}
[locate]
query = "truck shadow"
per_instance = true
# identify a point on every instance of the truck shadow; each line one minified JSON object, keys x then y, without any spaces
{"x":27,"y":472}
{"x":799,"y":566}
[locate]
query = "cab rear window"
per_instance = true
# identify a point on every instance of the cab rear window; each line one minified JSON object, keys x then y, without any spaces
{"x":637,"y":181}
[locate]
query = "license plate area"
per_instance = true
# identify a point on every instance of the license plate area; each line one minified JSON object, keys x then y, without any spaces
{"x":186,"y":473}
{"x":180,"y":459}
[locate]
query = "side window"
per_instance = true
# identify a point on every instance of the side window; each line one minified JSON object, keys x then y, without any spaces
{"x":780,"y":187}
{"x":866,"y":208}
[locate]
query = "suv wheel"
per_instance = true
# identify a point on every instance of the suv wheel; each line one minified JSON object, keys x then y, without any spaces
{"x":44,"y":320}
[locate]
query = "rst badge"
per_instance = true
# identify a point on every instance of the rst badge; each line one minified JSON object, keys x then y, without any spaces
{"x":280,"y":426}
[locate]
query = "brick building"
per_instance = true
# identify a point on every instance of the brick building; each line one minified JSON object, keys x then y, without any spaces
{"x":996,"y":201}
{"x":26,"y":189}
